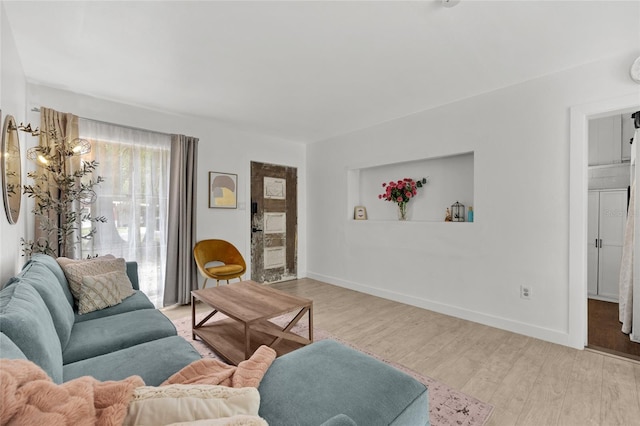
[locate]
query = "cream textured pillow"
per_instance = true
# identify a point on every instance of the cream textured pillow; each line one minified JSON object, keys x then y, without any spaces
{"x":64,"y":261}
{"x":75,"y":271}
{"x":104,"y":290}
{"x":239,"y":420}
{"x":187,"y":403}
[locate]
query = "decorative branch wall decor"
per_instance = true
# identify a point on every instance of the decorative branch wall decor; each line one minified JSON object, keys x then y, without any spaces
{"x":62,"y":190}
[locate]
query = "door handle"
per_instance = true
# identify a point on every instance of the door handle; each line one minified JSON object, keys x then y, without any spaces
{"x":600,"y":242}
{"x":596,"y":243}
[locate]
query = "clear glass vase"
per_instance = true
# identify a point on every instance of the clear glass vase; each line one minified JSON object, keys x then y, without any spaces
{"x":402,"y":211}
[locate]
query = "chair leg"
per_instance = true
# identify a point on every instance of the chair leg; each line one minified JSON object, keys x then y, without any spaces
{"x":204,"y":285}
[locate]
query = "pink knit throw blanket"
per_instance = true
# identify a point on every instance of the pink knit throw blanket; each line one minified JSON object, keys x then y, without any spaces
{"x":29,"y":397}
{"x":210,"y":371}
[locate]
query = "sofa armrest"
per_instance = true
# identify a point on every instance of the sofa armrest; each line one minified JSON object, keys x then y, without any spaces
{"x":132,"y":273}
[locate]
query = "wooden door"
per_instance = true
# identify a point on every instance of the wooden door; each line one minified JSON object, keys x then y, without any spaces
{"x":274,"y":222}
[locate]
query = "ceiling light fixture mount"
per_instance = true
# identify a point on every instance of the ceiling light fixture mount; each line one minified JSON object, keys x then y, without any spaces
{"x":450,"y":3}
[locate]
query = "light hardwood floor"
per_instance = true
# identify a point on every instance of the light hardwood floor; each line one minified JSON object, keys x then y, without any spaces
{"x":529,"y":381}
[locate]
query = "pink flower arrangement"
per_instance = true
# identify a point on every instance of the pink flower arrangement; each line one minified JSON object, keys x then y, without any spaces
{"x":401,"y":191}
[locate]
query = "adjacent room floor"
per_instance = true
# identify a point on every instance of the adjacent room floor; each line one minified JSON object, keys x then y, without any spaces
{"x":604,"y":331}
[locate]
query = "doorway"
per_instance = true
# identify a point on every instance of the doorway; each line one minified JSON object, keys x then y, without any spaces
{"x":609,"y":177}
{"x":274,"y":222}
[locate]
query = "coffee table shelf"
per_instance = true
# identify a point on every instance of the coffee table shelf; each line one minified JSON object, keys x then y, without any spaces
{"x":249,"y":307}
{"x":227,"y":339}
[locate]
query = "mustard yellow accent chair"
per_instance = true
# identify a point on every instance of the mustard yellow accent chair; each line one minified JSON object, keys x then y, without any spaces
{"x":207,"y":251}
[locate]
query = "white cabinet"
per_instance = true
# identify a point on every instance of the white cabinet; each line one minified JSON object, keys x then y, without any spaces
{"x":607,"y":218}
{"x":609,"y":139}
{"x":628,"y":131}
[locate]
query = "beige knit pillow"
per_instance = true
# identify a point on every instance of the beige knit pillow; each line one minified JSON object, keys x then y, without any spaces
{"x":75,"y":271}
{"x":103,"y":290}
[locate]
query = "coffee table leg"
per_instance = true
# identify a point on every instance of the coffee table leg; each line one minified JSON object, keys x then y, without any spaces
{"x":247,"y":341}
{"x":310,"y":313}
{"x":193,"y":317}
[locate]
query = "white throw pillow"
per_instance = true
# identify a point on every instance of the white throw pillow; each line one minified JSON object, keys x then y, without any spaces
{"x":103,"y":290}
{"x":164,"y":405}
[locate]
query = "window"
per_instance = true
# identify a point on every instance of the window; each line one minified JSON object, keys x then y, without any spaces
{"x":133,"y":198}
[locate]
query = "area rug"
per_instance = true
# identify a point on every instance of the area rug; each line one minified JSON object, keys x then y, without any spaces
{"x":447,"y":406}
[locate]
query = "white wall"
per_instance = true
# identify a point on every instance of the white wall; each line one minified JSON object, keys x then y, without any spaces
{"x":221,"y":148}
{"x":520,"y":139}
{"x":12,"y":102}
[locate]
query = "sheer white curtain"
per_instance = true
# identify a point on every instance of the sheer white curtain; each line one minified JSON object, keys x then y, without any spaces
{"x":134,"y":199}
{"x":629,"y":282}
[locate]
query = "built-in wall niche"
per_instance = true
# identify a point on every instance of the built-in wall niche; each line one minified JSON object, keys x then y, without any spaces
{"x":450,"y":179}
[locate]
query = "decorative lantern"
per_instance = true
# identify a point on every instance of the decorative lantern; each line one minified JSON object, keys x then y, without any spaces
{"x":457,"y":212}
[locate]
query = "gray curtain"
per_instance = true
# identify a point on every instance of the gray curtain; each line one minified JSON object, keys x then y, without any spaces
{"x":181,"y":275}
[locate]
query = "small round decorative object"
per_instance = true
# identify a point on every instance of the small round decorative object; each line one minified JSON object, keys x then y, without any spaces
{"x":634,"y":72}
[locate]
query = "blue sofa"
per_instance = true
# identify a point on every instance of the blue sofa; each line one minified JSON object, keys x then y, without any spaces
{"x":331,"y":384}
{"x":325,"y":383}
{"x":38,"y":322}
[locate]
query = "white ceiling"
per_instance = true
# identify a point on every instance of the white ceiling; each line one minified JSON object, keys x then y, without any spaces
{"x":305,"y":70}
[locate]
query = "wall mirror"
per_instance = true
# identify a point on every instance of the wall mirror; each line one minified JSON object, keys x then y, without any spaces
{"x":11,"y":169}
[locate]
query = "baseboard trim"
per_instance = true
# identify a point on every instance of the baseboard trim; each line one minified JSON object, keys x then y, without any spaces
{"x":549,"y":335}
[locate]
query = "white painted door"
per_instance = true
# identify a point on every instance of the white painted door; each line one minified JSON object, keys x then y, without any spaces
{"x":613,"y":216}
{"x":607,"y":218}
{"x":592,"y":242}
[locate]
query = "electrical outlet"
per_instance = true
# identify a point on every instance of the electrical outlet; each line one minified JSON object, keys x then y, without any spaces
{"x":525,"y":292}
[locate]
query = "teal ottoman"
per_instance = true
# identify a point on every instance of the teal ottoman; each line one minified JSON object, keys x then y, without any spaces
{"x":326,"y":379}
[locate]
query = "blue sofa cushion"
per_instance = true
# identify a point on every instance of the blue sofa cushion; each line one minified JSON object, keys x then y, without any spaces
{"x":55,"y":268}
{"x":28,"y":323}
{"x":339,"y":420}
{"x":132,"y":272}
{"x":108,"y":334}
{"x":154,"y":361}
{"x":8,"y":349}
{"x":338,"y":375}
{"x":46,"y":284}
{"x":134,"y":302}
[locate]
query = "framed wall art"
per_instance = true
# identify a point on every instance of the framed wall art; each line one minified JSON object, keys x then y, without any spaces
{"x":360,"y":213}
{"x":223,"y":190}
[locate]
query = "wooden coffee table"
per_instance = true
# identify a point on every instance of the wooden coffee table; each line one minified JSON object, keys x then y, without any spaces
{"x":249,"y":307}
